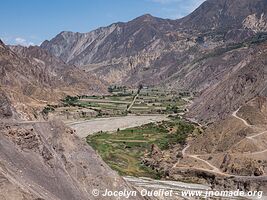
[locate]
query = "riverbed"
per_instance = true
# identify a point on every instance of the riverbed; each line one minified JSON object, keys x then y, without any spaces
{"x":88,"y":127}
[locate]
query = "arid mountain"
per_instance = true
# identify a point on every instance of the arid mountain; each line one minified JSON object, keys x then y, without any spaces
{"x":32,"y":77}
{"x":234,"y":78}
{"x":6,"y":109}
{"x":229,"y":154}
{"x":218,"y":52}
{"x":47,"y":161}
{"x":195,"y":52}
{"x":237,"y":145}
{"x":115,"y":41}
{"x":148,"y":33}
{"x":225,"y":15}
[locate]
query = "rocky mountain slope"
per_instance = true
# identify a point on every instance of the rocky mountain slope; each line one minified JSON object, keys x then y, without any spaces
{"x":31,"y":78}
{"x":241,"y":78}
{"x":47,"y":161}
{"x":106,"y":43}
{"x":183,"y":53}
{"x":239,"y":138}
{"x":150,"y":34}
{"x":227,"y":15}
{"x":229,"y":154}
{"x":6,"y":109}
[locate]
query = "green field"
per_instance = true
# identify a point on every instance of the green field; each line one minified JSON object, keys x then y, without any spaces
{"x":123,"y":150}
{"x":148,"y":101}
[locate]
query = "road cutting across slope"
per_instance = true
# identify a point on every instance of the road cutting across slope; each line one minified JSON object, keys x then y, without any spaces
{"x":214,"y":168}
{"x":236,"y":116}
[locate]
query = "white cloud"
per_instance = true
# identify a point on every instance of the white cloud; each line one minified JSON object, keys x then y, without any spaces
{"x":31,"y":44}
{"x":22,"y":41}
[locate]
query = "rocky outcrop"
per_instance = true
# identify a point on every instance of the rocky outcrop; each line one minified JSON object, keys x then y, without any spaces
{"x":5,"y":106}
{"x":162,"y":161}
{"x":256,"y":24}
{"x":244,"y":167}
{"x":153,"y":158}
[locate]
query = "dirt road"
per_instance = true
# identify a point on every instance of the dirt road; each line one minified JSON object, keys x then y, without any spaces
{"x":244,"y":121}
{"x":214,"y":168}
{"x":129,"y":108}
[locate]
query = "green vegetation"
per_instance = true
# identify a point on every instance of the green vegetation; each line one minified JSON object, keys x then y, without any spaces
{"x":149,"y":101}
{"x":182,"y":131}
{"x":75,"y":102}
{"x":123,"y":149}
{"x":173,"y":109}
{"x":115,"y":88}
{"x":47,"y":109}
{"x":70,"y":101}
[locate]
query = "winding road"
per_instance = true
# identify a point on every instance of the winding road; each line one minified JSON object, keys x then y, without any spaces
{"x":247,"y":124}
{"x":214,"y":168}
{"x":244,"y":121}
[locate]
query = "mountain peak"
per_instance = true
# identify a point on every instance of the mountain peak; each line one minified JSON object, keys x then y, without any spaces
{"x":65,"y":33}
{"x":145,"y":17}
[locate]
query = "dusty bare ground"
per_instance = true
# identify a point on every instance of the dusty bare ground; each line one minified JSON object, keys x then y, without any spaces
{"x":85,"y":128}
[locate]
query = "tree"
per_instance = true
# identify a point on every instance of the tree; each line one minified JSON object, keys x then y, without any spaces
{"x":140,"y":87}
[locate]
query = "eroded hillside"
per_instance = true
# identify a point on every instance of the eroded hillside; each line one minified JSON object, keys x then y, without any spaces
{"x":31,"y":78}
{"x":47,"y":161}
{"x":229,"y":154}
{"x":198,"y":52}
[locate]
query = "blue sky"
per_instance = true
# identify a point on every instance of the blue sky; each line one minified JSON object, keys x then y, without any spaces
{"x":29,"y":22}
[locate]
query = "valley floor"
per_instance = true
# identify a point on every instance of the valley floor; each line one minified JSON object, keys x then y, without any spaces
{"x":86,"y":127}
{"x":126,"y":143}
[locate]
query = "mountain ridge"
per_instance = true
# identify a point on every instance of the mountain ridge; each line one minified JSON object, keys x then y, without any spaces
{"x":218,"y":53}
{"x":162,"y":52}
{"x":226,"y":14}
{"x":31,"y":78}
